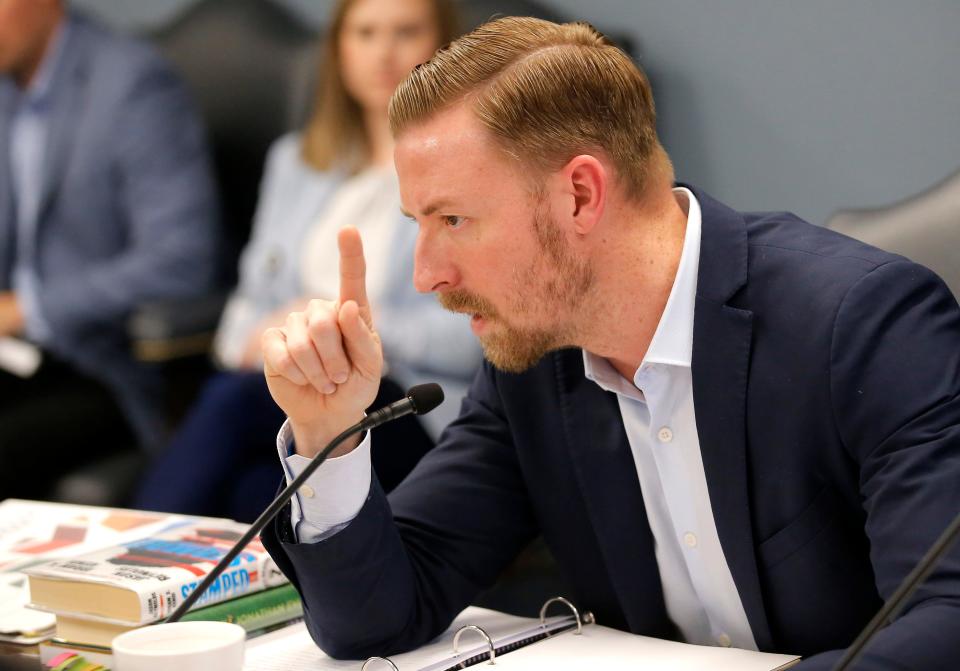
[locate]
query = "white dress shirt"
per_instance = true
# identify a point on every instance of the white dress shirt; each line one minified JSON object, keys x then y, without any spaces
{"x":332,"y":496}
{"x":658,"y":417}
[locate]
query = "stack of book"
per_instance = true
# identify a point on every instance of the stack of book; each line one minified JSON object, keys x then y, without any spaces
{"x":100,"y":594}
{"x":32,"y":532}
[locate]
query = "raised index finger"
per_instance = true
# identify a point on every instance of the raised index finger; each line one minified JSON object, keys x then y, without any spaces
{"x":353,"y":271}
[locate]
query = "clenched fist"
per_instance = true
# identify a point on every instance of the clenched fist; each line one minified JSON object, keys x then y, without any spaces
{"x":323,"y":365}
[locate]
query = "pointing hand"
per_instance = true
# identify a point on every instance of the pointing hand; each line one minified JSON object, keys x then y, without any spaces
{"x":323,"y":365}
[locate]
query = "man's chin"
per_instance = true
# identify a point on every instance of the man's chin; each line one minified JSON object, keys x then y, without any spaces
{"x":513,"y":354}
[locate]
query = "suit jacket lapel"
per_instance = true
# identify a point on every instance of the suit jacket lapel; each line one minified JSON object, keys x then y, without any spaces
{"x":721,"y":354}
{"x":607,"y":476}
{"x":67,"y":102}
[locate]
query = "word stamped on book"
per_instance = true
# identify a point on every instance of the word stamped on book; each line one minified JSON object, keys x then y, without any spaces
{"x":145,"y":580}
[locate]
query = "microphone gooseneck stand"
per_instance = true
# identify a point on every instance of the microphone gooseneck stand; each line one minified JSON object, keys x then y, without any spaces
{"x":420,"y":400}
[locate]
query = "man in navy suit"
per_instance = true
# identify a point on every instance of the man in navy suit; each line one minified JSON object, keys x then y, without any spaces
{"x":106,"y":201}
{"x":731,"y":429}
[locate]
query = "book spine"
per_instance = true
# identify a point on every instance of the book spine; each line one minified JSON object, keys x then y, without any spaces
{"x":254,"y":611}
{"x":156,"y":604}
{"x":251,"y":572}
{"x":159,"y":571}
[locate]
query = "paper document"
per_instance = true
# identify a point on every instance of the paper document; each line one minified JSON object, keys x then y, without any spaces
{"x":32,"y":532}
{"x":291,"y":649}
{"x":19,"y":624}
{"x":606,"y":648}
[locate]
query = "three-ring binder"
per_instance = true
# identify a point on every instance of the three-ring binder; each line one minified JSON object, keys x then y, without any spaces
{"x":385,"y":660}
{"x":587,"y":616}
{"x":491,"y":648}
{"x":479,"y":630}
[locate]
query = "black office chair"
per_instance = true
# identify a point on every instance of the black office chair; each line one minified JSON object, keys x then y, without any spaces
{"x":476,"y":12}
{"x":249,"y":65}
{"x":925,"y":228}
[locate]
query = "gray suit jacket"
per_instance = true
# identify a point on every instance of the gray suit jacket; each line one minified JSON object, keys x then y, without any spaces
{"x":127,"y":212}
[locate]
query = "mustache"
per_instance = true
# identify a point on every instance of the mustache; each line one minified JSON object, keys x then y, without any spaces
{"x":460,"y":300}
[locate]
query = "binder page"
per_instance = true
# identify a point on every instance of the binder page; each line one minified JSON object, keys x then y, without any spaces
{"x":605,"y":648}
{"x":292,"y":649}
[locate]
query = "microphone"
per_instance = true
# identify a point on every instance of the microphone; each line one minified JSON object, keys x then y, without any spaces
{"x":420,"y":400}
{"x":906,"y":589}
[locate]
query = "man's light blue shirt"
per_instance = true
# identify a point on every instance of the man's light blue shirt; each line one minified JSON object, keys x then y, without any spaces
{"x":28,"y":147}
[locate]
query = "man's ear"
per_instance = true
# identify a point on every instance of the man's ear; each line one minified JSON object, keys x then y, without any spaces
{"x":584,"y":179}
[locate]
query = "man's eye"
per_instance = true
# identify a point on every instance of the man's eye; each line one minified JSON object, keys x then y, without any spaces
{"x":453,"y":220}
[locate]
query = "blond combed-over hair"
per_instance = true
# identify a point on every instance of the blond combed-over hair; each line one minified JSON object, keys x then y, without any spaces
{"x":547,"y":92}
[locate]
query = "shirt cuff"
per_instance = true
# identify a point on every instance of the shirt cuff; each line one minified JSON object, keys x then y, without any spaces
{"x":35,"y":327}
{"x":331,"y":497}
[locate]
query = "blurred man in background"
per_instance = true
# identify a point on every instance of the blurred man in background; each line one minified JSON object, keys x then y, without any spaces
{"x":106,"y":201}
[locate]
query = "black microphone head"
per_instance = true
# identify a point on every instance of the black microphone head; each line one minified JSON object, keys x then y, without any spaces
{"x":425,"y":397}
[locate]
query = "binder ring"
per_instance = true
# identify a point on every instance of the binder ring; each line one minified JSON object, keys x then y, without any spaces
{"x":588,"y":617}
{"x":379,"y":659}
{"x":473,"y":627}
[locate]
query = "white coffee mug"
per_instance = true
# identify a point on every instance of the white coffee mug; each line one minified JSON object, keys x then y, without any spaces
{"x":181,"y":646}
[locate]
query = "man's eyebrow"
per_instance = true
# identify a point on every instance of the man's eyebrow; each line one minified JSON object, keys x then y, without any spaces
{"x":429,"y":209}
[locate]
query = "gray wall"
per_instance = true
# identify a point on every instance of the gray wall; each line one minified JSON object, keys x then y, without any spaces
{"x":806,"y":106}
{"x":768,"y":104}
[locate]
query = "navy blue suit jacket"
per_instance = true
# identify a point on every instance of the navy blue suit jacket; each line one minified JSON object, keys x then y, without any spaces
{"x":127,"y":212}
{"x":826,"y":381}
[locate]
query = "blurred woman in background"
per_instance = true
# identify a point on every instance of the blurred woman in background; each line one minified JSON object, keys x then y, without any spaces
{"x":338,"y":171}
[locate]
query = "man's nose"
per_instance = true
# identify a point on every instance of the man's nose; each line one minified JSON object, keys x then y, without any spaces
{"x":433,"y":269}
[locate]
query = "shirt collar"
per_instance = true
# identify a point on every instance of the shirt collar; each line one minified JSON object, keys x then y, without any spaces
{"x":672,"y":342}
